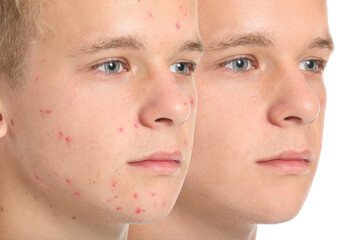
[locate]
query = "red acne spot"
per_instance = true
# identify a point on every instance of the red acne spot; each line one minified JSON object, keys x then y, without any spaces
{"x":178,"y":26}
{"x":163,"y":203}
{"x":150,"y":14}
{"x":48,"y":112}
{"x":67,"y":139}
{"x":136,"y":125}
{"x":121,"y":130}
{"x":181,"y":7}
{"x":185,"y":103}
{"x":41,"y":111}
{"x":136,"y":195}
{"x":37,"y":178}
{"x":68,"y":181}
{"x":152,"y":194}
{"x":115,"y":197}
{"x":191,"y":101}
{"x":185,"y":142}
{"x":138,"y":210}
{"x":77,"y":193}
{"x":185,"y":14}
{"x":118,"y":208}
{"x":113,"y":184}
{"x":60,"y":135}
{"x":155,"y":205}
{"x":109,"y":200}
{"x":37,"y":79}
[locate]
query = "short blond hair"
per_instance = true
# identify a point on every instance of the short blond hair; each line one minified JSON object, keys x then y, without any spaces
{"x":18,"y":26}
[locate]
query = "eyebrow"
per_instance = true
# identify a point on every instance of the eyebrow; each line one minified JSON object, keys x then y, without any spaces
{"x":246,"y":39}
{"x":322,"y":43}
{"x":124,"y":42}
{"x":192,"y":46}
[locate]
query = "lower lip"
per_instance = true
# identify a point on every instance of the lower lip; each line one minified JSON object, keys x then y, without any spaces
{"x":165,"y":167}
{"x":287,"y":165}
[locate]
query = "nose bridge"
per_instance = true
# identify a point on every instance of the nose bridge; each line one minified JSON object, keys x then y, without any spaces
{"x":166,"y":103}
{"x":294,"y":100}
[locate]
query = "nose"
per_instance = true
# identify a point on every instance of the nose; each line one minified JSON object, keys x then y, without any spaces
{"x":166,"y":103}
{"x":293,"y":99}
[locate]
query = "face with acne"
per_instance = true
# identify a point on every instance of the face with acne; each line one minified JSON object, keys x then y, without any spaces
{"x":104,"y":119}
{"x":260,"y":82}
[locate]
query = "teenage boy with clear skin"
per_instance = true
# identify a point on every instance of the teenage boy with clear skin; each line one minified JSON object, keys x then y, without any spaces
{"x":97,"y":111}
{"x":260,"y":119}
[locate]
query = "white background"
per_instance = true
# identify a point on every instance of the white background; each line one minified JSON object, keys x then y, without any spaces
{"x":332,"y":210}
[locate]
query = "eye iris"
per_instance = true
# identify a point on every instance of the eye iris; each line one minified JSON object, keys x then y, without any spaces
{"x":311,"y":65}
{"x":112,"y":67}
{"x":240,"y":64}
{"x":182,"y":68}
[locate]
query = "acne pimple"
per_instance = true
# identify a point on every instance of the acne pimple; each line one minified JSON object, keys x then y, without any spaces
{"x":118,"y":208}
{"x":109,"y":200}
{"x":185,"y":103}
{"x":181,"y":7}
{"x":178,"y":26}
{"x":73,"y":218}
{"x":138,"y":210}
{"x":37,"y":79}
{"x":77,"y":193}
{"x":113,"y":184}
{"x":191,"y":101}
{"x":121,"y":130}
{"x":136,"y":125}
{"x":68,"y":181}
{"x":47,"y":111}
{"x":136,"y":195}
{"x":185,"y":142}
{"x":68,"y":139}
{"x":50,"y":205}
{"x":37,"y":178}
{"x":163,"y":203}
{"x":152,"y":194}
{"x":1,"y":209}
{"x":150,"y":14}
{"x":185,"y":14}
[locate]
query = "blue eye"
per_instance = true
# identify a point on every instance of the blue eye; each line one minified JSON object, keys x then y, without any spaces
{"x":182,"y":68}
{"x":239,"y":65}
{"x":111,"y":67}
{"x":311,"y":65}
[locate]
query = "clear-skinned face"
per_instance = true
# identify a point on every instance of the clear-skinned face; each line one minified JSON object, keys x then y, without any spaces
{"x":105,"y":118}
{"x":261,"y":108}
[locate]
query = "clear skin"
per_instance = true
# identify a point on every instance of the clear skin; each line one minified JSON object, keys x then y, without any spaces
{"x":275,"y":104}
{"x":68,"y":133}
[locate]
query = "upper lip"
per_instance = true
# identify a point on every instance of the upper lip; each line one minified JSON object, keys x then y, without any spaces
{"x":161,"y":156}
{"x":291,"y":155}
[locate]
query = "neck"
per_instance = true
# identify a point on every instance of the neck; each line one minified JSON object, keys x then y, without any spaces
{"x":26,"y":213}
{"x":192,"y":222}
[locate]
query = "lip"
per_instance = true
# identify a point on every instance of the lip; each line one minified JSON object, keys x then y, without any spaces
{"x":163,"y":163}
{"x":290,"y":162}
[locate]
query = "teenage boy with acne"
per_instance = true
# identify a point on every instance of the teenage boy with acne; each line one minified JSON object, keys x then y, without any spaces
{"x":260,"y":119}
{"x":97,"y":111}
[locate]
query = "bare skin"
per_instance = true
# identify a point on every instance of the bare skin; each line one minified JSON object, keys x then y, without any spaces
{"x":259,"y":126}
{"x":98,"y":98}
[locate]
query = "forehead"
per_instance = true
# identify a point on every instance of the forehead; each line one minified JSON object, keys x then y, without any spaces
{"x":75,"y":20}
{"x":284,"y":21}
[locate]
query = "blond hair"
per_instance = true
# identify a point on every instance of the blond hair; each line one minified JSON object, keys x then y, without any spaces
{"x":18,"y":26}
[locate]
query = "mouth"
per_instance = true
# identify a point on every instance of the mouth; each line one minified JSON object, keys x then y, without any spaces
{"x":290,"y":162}
{"x":163,"y":163}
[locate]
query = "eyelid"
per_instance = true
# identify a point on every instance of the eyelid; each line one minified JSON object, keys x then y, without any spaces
{"x":192,"y":66}
{"x":321,"y":63}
